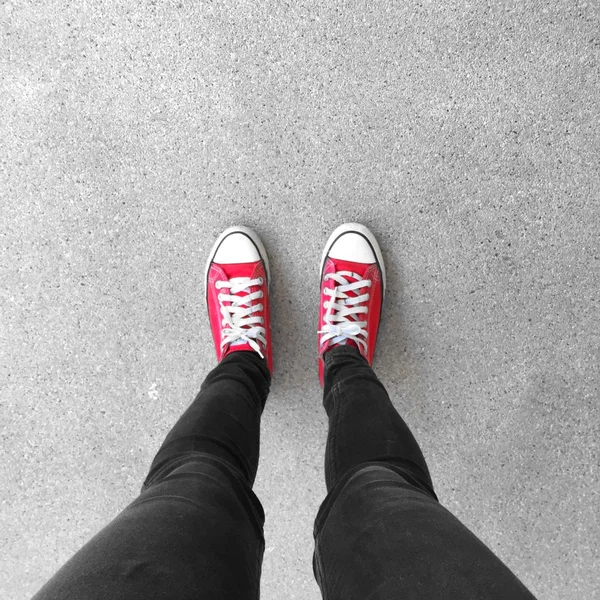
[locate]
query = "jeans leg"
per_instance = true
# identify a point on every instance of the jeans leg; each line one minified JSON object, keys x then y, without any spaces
{"x":224,"y":419}
{"x":380,"y":533}
{"x":196,"y":529}
{"x":364,"y":426}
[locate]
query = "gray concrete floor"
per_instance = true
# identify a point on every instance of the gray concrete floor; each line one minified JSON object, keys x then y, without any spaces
{"x":465,"y":134}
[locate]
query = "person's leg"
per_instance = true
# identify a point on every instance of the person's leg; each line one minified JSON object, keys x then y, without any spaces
{"x":364,"y":426}
{"x":196,"y":529}
{"x":381,"y":533}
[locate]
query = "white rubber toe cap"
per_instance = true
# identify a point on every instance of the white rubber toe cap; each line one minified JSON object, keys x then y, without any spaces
{"x":236,"y":248}
{"x":353,"y":247}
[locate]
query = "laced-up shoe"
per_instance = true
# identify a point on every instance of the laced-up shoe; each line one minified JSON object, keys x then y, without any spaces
{"x":352,"y":292}
{"x":237,"y":294}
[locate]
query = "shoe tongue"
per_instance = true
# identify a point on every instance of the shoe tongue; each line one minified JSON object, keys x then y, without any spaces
{"x":358,"y":269}
{"x":353,"y":267}
{"x":236,"y":273}
{"x":238,"y":269}
{"x":243,"y":293}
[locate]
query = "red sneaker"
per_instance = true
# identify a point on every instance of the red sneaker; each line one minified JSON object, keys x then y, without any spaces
{"x":237,"y":294}
{"x":352,"y":292}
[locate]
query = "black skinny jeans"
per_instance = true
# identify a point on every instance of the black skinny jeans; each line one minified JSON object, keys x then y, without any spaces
{"x":196,"y":529}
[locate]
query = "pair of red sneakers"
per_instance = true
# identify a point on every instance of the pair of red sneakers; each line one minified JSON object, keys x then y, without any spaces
{"x":352,"y":292}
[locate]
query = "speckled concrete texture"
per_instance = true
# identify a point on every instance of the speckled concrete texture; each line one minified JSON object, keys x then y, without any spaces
{"x":465,"y":134}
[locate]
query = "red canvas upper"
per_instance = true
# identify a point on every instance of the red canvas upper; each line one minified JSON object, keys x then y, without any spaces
{"x":225,"y":272}
{"x":365,"y":271}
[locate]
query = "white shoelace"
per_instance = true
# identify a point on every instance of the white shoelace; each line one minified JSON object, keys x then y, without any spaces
{"x":239,"y":326}
{"x":341,"y":318}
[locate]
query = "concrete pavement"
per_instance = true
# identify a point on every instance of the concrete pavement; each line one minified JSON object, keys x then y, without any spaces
{"x":464,"y":134}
